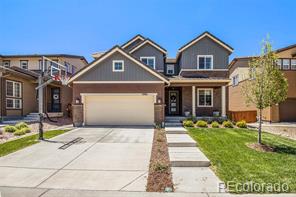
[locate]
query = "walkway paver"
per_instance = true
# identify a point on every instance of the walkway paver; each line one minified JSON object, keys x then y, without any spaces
{"x":187,"y":157}
{"x":180,"y":140}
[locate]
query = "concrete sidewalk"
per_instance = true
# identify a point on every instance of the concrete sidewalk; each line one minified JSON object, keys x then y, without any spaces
{"x":35,"y":192}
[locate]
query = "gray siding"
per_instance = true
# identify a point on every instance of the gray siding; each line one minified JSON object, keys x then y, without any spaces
{"x":148,"y":50}
{"x":103,"y":71}
{"x":205,"y":46}
{"x":133,"y":44}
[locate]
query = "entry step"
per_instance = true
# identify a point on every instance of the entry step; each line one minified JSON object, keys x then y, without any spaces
{"x":175,"y":130}
{"x":173,"y":124}
{"x":187,"y":157}
{"x":180,"y":140}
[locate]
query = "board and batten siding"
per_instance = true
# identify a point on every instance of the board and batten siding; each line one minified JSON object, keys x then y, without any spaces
{"x":133,"y":44}
{"x":205,"y":46}
{"x":104,"y":71}
{"x":147,"y":51}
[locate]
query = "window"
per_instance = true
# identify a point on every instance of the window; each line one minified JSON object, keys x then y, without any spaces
{"x":118,"y":66}
{"x":235,"y":80}
{"x":205,"y":62}
{"x":170,"y":69}
{"x":12,"y":103}
{"x":286,"y":64}
{"x":45,"y":65}
{"x":205,"y":97}
{"x":24,"y":64}
{"x":279,"y":63}
{"x":13,"y":89}
{"x":150,"y":61}
{"x":6,"y":63}
{"x":293,"y":64}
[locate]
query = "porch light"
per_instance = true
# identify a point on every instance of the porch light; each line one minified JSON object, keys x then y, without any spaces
{"x":159,"y":100}
{"x":77,"y":101}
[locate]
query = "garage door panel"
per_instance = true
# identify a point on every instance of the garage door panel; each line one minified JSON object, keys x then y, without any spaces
{"x":119,"y":110}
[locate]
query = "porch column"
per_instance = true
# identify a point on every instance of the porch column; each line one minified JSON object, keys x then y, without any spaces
{"x":193,"y":101}
{"x":223,"y":101}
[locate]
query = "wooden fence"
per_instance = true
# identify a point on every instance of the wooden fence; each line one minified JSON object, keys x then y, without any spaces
{"x":248,"y":116}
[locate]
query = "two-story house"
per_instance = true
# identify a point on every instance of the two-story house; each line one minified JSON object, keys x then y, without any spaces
{"x":18,"y":80}
{"x":239,"y":73}
{"x":137,"y":84}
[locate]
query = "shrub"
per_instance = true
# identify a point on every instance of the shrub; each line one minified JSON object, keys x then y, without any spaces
{"x":201,"y":123}
{"x":160,"y":167}
{"x":241,"y":124}
{"x":19,"y":132}
{"x":26,"y":130}
{"x":188,"y":123}
{"x":215,"y":124}
{"x":227,"y":124}
{"x":21,"y":125}
{"x":10,"y":129}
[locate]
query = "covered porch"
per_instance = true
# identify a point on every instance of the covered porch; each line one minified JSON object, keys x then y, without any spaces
{"x":198,"y":98}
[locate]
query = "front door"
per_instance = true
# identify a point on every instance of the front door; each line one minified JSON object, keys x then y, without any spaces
{"x":174,"y":108}
{"x":55,"y":100}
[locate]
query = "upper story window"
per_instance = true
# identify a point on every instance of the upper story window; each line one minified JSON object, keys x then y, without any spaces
{"x":150,"y":61}
{"x":293,"y":64}
{"x":205,"y":62}
{"x":286,"y":64}
{"x":170,"y":69}
{"x":205,"y":97}
{"x":235,"y":80}
{"x":6,"y":63}
{"x":24,"y":64}
{"x":118,"y":65}
{"x":45,"y":65}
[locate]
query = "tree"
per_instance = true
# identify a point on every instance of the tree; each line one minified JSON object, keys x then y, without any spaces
{"x":267,"y":85}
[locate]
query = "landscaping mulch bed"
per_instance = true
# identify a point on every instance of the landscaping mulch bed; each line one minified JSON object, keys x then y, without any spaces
{"x":47,"y":125}
{"x":260,"y":147}
{"x":160,"y":176}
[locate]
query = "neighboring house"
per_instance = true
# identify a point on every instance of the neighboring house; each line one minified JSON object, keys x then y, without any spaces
{"x":239,"y":73}
{"x":18,"y":80}
{"x":137,"y":84}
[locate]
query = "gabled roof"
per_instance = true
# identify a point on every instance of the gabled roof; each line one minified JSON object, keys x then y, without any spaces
{"x":209,"y":35}
{"x":20,"y":71}
{"x":109,"y":53}
{"x":285,"y":48}
{"x":138,"y":36}
{"x":147,"y":40}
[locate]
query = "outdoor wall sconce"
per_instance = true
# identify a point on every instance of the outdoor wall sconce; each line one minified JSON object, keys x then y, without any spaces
{"x":159,"y":100}
{"x":77,"y":101}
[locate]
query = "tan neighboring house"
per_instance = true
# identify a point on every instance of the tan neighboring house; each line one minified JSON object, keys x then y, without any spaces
{"x":239,"y":73}
{"x":137,"y":84}
{"x":18,"y":80}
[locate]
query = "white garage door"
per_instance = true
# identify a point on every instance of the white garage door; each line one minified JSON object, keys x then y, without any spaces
{"x":119,"y":109}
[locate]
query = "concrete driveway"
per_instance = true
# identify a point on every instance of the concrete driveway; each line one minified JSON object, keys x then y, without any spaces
{"x":106,"y":159}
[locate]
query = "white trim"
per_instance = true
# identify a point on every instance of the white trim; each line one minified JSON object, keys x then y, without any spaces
{"x":118,"y":94}
{"x":147,"y":41}
{"x":223,"y":101}
{"x":114,"y":82}
{"x":193,"y":101}
{"x":211,"y":37}
{"x":200,"y":81}
{"x":205,"y":56}
{"x":117,"y":61}
{"x":173,"y":66}
{"x":160,"y":70}
{"x":148,"y":57}
{"x":131,"y":41}
{"x":123,"y":53}
{"x":212,"y":97}
{"x":13,"y":103}
{"x":194,"y":69}
{"x":13,"y":89}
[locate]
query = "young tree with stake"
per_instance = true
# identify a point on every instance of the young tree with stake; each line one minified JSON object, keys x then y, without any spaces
{"x":267,"y":85}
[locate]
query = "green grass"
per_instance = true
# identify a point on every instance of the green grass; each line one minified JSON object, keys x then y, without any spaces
{"x":14,"y":145}
{"x":232,"y":160}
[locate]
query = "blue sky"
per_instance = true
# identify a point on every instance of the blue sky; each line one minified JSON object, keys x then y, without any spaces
{"x":85,"y":26}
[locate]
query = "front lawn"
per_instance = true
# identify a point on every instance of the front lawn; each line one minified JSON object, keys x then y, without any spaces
{"x":14,"y":145}
{"x":232,"y":160}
